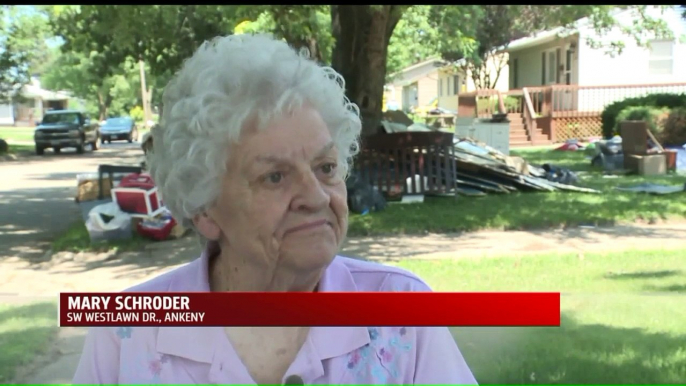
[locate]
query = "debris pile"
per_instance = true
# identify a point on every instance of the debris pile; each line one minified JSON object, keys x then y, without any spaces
{"x":482,"y":170}
{"x":132,"y":206}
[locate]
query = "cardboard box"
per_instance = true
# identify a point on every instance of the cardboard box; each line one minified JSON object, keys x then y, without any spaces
{"x":651,"y":165}
{"x":88,"y":187}
{"x":634,"y":137}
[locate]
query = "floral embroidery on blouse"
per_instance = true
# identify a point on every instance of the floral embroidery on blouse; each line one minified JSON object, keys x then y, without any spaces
{"x":378,"y":361}
{"x":155,"y":365}
{"x":148,"y":365}
{"x":124,"y":332}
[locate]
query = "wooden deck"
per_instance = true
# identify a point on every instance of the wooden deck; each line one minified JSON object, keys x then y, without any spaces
{"x":544,"y":115}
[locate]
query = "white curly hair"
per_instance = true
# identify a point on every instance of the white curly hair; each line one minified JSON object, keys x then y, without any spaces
{"x":227,"y":82}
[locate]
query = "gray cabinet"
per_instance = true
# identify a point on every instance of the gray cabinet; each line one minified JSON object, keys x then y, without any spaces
{"x":495,"y":135}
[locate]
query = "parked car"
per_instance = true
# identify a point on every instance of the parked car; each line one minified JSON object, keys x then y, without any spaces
{"x":65,"y":128}
{"x":120,"y":128}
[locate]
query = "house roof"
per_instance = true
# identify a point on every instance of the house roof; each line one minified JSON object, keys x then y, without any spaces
{"x":534,"y":40}
{"x":33,"y":91}
{"x":550,"y":35}
{"x":419,"y":70}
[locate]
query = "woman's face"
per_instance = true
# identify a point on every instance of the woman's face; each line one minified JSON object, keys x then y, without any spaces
{"x":284,"y":201}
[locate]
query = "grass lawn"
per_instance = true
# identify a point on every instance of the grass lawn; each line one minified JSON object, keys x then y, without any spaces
{"x":530,"y":210}
{"x":18,"y":149}
{"x":17,"y":133}
{"x":25,"y":331}
{"x":622,"y":317}
{"x":76,"y":239}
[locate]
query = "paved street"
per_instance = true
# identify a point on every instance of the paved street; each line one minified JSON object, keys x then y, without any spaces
{"x":37,"y":196}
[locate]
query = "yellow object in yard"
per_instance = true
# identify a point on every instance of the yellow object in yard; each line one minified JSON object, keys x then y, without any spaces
{"x":424,"y":110}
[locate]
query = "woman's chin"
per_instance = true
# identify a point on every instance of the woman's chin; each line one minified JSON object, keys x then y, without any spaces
{"x":313,"y":254}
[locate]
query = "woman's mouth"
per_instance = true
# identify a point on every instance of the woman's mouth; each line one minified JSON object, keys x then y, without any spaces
{"x":307,"y":226}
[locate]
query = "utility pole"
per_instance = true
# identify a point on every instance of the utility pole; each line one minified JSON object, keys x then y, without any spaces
{"x":144,"y":94}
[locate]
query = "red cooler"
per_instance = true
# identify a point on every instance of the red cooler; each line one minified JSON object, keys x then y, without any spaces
{"x":137,"y":195}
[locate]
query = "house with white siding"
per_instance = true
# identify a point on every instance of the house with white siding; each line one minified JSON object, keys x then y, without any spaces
{"x":437,"y":83}
{"x":413,"y":86}
{"x":32,"y":105}
{"x":549,"y":59}
{"x":454,"y":79}
{"x":560,"y":83}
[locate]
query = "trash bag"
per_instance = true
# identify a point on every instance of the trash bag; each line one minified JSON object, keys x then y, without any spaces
{"x":108,"y":217}
{"x":362,"y":197}
{"x":108,"y":222}
{"x":560,"y":175}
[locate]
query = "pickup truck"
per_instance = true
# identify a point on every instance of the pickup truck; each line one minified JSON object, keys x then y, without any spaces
{"x":66,"y":128}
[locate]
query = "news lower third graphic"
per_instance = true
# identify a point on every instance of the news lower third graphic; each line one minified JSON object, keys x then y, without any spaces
{"x":310,"y":309}
{"x":131,"y":309}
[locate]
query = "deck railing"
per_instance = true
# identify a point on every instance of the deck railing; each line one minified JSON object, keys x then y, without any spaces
{"x":576,"y":108}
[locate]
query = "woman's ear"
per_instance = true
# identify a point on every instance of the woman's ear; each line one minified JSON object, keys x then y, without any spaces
{"x":207,"y":227}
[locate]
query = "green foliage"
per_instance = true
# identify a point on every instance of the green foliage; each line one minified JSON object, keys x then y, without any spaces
{"x":164,"y":36}
{"x":137,"y":114}
{"x":23,"y":33}
{"x":491,"y":104}
{"x":112,"y":95}
{"x":413,"y":40}
{"x":609,"y":115}
{"x":302,"y":26}
{"x":674,"y":132}
{"x":653,"y":116}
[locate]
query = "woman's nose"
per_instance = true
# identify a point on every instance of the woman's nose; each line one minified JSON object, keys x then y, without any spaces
{"x":311,"y":194}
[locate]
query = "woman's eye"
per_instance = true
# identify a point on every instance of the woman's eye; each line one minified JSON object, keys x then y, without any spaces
{"x":275,"y":177}
{"x":329,"y":168}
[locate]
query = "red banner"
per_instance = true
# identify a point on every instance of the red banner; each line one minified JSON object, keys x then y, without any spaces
{"x":310,"y":309}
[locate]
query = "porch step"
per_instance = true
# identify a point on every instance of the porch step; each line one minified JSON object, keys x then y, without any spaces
{"x":518,"y":132}
{"x":520,"y":143}
{"x":516,"y":121}
{"x":519,"y":138}
{"x":515,"y":127}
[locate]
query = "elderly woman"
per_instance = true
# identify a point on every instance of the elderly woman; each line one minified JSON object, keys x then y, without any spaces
{"x":252,"y":152}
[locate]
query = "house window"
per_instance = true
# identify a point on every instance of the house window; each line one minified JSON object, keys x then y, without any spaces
{"x":440,"y":87}
{"x":456,"y":84}
{"x":568,"y":66}
{"x":515,"y":72}
{"x":552,"y":67}
{"x":549,"y":72}
{"x":661,"y":60}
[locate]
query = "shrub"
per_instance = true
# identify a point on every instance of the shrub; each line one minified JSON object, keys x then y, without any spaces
{"x":654,"y":116}
{"x":137,"y":114}
{"x":674,"y":132}
{"x":609,"y":114}
{"x":491,"y":104}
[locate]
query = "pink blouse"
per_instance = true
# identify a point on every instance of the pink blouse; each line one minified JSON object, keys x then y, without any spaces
{"x":330,"y":355}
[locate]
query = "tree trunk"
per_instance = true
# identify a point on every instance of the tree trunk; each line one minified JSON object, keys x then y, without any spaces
{"x":104,"y":103}
{"x":102,"y":107}
{"x":362,"y":34}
